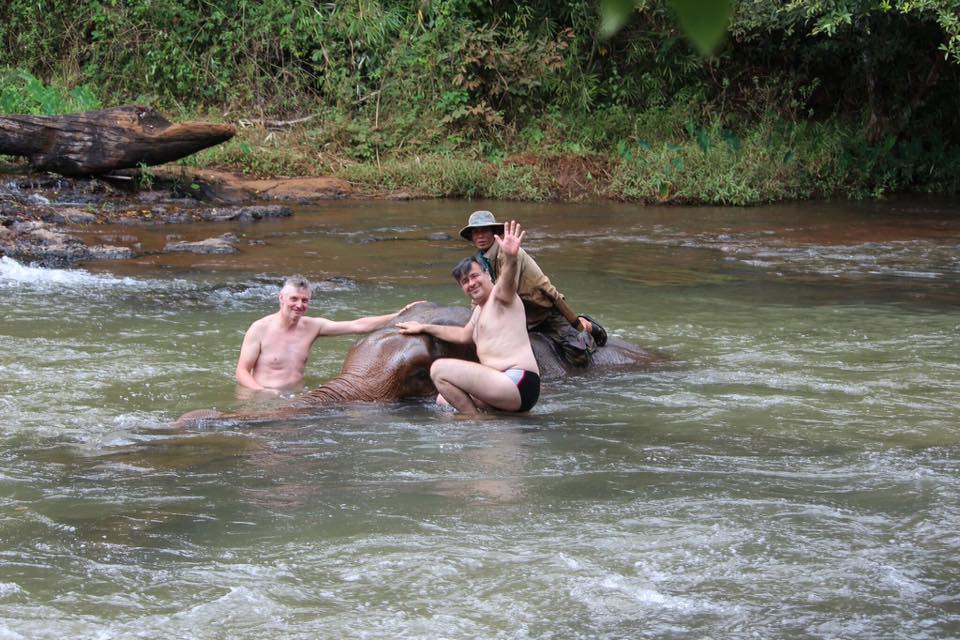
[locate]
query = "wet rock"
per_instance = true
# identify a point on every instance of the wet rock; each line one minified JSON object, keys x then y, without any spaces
{"x":69,"y":216}
{"x":440,"y":235}
{"x":179,"y":217}
{"x":245,"y":214}
{"x":9,"y":210}
{"x":131,"y":241}
{"x":52,"y":257}
{"x":400,"y":195}
{"x":148,"y":197}
{"x":39,"y":181}
{"x":78,"y":200}
{"x":362,"y":239}
{"x":29,"y":226}
{"x":110,"y":252}
{"x":341,"y":281}
{"x":150,"y":217}
{"x":220,"y":245}
{"x":37,"y":199}
{"x":37,"y":242}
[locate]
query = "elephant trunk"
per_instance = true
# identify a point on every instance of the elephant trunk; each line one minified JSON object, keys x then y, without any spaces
{"x":347,"y":387}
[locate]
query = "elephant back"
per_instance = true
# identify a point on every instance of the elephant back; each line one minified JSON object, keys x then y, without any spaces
{"x":387,"y":365}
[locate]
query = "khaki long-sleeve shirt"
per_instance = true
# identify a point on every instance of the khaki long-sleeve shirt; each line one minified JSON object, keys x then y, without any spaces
{"x":531,"y":284}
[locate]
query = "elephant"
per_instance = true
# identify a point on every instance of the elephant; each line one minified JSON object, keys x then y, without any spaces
{"x":387,"y":366}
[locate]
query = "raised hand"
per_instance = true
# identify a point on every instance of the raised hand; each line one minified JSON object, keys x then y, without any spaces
{"x":512,"y":238}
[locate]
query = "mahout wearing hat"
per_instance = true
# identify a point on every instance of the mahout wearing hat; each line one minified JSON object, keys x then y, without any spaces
{"x":480,"y":219}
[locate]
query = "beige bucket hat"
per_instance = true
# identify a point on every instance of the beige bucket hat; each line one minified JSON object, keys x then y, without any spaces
{"x":481,"y":219}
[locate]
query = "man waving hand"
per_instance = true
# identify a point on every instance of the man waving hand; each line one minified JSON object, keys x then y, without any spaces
{"x":507,"y":377}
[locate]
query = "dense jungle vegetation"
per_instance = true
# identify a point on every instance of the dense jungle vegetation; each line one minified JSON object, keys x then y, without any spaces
{"x":523,"y":99}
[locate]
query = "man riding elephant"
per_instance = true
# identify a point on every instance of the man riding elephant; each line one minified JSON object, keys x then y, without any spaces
{"x":575,"y":337}
{"x":507,"y":376}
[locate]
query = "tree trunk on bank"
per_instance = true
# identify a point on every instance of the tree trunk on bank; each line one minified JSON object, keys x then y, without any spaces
{"x":98,"y":142}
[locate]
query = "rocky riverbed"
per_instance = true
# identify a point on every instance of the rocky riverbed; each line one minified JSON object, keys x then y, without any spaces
{"x":51,"y":221}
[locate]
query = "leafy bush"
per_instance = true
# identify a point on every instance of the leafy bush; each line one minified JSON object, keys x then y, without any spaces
{"x":820,"y":97}
{"x":21,"y":92}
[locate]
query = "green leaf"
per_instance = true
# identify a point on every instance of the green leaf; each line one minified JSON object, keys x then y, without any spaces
{"x":703,"y":139}
{"x":732,"y":140}
{"x":703,"y":21}
{"x":614,"y":14}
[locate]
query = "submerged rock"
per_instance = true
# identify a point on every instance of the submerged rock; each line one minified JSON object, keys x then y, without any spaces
{"x":245,"y":214}
{"x":69,"y":216}
{"x":110,"y":252}
{"x":220,"y":245}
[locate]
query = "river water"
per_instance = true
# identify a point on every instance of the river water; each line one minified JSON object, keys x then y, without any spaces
{"x":793,"y":471}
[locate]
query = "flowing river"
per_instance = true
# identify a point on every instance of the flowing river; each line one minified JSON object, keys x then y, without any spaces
{"x":793,"y":471}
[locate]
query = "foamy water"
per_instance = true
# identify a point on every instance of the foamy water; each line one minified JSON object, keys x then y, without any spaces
{"x":13,"y":274}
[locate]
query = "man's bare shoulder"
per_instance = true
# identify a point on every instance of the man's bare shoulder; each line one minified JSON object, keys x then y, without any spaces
{"x":261,"y":325}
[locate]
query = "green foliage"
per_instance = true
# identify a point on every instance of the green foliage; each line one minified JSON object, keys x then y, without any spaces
{"x":447,"y":177}
{"x":704,"y":22}
{"x":804,"y":97}
{"x":775,"y":160}
{"x":836,"y":18}
{"x":258,"y":154}
{"x":21,"y":92}
{"x":146,"y":177}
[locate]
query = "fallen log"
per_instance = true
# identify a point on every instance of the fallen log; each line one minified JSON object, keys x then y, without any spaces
{"x":98,"y":142}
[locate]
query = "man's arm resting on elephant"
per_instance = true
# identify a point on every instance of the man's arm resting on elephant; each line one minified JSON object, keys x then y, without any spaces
{"x":459,"y":335}
{"x":359,"y":325}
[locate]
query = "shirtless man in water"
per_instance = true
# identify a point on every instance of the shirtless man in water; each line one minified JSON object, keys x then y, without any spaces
{"x":507,"y":377}
{"x":276,"y":347}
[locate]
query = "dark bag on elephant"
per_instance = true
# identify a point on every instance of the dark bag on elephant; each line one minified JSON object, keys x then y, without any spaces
{"x":598,"y":332}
